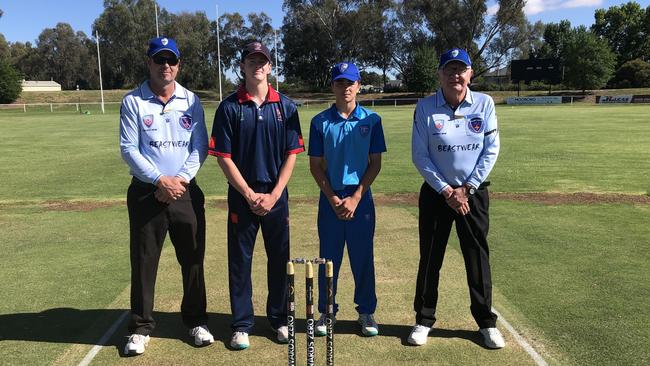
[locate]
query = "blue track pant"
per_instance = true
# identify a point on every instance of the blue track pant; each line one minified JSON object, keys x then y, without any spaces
{"x":358,"y":233}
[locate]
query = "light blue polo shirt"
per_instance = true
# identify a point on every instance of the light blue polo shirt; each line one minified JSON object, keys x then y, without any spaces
{"x":162,"y":139}
{"x":455,"y":147}
{"x":346,"y":143}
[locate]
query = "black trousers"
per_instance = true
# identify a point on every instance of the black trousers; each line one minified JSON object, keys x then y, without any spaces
{"x":150,"y":220}
{"x":436,"y":219}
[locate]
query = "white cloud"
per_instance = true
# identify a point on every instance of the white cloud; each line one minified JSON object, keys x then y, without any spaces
{"x":491,"y":10}
{"x":539,"y":6}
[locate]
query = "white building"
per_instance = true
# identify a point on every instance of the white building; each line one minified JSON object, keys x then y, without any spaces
{"x":37,"y":85}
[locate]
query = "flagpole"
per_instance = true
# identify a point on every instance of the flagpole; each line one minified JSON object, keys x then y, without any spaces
{"x":219,"y":54}
{"x":99,"y":67}
{"x":155,"y":7}
{"x":277,"y":67}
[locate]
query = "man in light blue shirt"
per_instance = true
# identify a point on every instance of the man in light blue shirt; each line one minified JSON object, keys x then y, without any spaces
{"x":455,"y":145}
{"x":345,"y":146}
{"x":163,"y":140}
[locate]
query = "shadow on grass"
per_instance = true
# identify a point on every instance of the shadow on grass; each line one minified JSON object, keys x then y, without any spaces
{"x":75,"y":326}
{"x":401,"y":331}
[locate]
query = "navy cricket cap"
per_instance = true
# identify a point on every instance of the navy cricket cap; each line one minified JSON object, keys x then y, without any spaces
{"x":163,"y":44}
{"x":253,"y":48}
{"x":345,"y":70}
{"x":454,"y":54}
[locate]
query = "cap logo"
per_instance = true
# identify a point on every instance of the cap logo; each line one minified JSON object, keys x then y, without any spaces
{"x":343,"y":67}
{"x":257,"y":46}
{"x":164,"y":41}
{"x":454,"y":53}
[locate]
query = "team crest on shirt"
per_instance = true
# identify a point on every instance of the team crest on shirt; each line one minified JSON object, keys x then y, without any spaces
{"x":185,"y":121}
{"x":439,"y":124}
{"x":278,"y":114}
{"x":476,"y":124}
{"x":148,"y":120}
{"x":364,"y":130}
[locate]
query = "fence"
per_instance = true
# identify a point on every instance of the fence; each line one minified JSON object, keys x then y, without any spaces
{"x":95,"y":107}
{"x":79,"y":107}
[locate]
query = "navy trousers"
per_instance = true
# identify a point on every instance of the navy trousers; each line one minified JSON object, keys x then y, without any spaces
{"x":243,"y":226}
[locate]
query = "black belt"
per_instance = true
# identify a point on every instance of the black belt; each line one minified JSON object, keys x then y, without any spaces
{"x":482,"y":185}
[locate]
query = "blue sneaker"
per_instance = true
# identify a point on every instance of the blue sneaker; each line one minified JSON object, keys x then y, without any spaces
{"x":369,"y":326}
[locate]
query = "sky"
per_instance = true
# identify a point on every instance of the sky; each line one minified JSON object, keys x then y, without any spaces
{"x":24,"y":20}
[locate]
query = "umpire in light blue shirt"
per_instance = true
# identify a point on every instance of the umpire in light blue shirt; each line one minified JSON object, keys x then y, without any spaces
{"x":455,"y":145}
{"x":163,"y":140}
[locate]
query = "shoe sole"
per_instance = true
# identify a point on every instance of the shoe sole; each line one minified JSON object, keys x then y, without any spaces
{"x":203,"y":344}
{"x":369,"y":334}
{"x":133,"y":354}
{"x":414,"y":343}
{"x":239,"y":347}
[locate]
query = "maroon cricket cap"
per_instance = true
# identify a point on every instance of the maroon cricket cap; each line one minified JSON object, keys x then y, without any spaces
{"x":255,"y":47}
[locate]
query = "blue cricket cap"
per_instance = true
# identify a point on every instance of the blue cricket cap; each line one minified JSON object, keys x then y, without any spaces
{"x":345,"y":70}
{"x":162,"y":44}
{"x":454,"y":54}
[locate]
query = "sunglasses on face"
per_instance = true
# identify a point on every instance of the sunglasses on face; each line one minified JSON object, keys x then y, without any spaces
{"x":452,"y":70}
{"x":161,"y":60}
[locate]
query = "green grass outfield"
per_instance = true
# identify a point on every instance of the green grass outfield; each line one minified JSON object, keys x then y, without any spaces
{"x":571,"y":271}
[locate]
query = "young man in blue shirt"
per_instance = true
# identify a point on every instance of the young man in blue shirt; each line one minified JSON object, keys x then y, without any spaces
{"x":455,"y":145}
{"x":164,"y":142}
{"x":256,"y":137}
{"x":345,"y":146}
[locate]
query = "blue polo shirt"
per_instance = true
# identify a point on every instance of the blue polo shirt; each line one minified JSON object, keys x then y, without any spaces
{"x":455,"y":147}
{"x":256,"y":138}
{"x":346,"y":143}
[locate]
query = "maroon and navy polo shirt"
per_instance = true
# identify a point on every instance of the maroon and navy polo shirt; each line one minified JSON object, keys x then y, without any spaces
{"x":257,"y":139}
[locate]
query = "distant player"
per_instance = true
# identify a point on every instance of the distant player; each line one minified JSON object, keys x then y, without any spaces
{"x":455,"y":146}
{"x":345,"y":146}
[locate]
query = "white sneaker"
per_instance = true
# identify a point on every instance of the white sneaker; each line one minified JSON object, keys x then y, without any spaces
{"x":239,"y":340}
{"x":321,"y":325}
{"x":493,"y":338}
{"x":136,"y":344}
{"x":283,"y":334}
{"x":202,"y":336}
{"x":419,"y":335}
{"x":369,"y":326}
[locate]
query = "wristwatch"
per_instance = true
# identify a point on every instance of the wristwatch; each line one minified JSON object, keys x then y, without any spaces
{"x":470,"y":189}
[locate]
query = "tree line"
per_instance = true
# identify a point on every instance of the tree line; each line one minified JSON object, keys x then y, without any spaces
{"x":402,"y":38}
